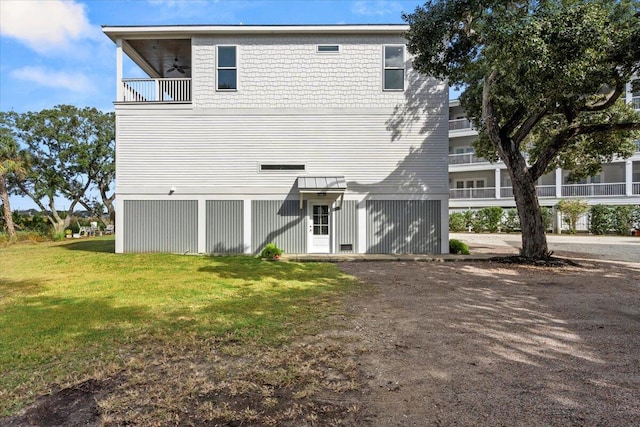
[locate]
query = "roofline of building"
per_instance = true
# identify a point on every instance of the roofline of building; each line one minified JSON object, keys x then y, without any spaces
{"x":187,"y":31}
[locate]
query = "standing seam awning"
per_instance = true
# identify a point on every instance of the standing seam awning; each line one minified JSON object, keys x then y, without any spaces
{"x":321,"y":185}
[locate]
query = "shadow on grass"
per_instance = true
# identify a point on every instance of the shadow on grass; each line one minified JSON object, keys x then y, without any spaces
{"x":10,"y":287}
{"x":94,"y":245}
{"x":255,"y":269}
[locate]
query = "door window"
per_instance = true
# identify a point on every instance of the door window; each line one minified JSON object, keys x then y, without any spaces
{"x":321,"y":220}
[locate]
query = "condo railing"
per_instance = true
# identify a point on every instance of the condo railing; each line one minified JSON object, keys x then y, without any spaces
{"x":156,"y":90}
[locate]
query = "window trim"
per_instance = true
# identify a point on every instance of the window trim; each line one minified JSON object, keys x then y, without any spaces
{"x":328,"y":52}
{"x":218,"y":68}
{"x":385,"y":68}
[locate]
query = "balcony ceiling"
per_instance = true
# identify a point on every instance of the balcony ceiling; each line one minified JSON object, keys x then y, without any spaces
{"x":156,"y":57}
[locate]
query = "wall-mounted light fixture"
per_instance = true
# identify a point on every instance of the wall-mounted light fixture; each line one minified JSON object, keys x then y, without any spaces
{"x":172,"y":190}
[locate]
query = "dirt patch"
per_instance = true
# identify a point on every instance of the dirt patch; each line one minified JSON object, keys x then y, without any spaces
{"x":493,"y":344}
{"x":73,"y":406}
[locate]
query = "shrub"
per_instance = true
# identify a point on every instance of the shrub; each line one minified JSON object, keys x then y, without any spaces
{"x":623,"y":219}
{"x":601,"y":219}
{"x":457,"y":247}
{"x":511,"y":221}
{"x":572,"y":209}
{"x":271,"y":251}
{"x":547,"y":217}
{"x":487,"y":219}
{"x":457,"y":222}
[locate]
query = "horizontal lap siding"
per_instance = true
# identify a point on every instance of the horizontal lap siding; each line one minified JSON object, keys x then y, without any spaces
{"x":347,"y":226}
{"x":280,"y":222}
{"x":403,"y":226}
{"x":161,"y":226}
{"x":224,"y":226}
{"x":211,"y":151}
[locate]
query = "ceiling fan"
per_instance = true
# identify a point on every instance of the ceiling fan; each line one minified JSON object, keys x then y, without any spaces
{"x":177,"y":67}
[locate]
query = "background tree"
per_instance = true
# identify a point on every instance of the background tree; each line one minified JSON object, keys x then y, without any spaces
{"x":12,"y":163}
{"x":62,"y":144}
{"x":544,"y":77}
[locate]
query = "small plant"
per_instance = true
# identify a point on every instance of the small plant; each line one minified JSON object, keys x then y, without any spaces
{"x":511,"y":221}
{"x":271,"y":251}
{"x":572,"y":209}
{"x":601,"y":219}
{"x":458,"y":248}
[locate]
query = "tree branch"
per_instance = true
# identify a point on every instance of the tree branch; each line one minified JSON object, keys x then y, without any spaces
{"x":607,"y":102}
{"x":528,"y":124}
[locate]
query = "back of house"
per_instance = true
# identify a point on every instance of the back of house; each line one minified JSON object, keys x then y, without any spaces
{"x":320,"y":139}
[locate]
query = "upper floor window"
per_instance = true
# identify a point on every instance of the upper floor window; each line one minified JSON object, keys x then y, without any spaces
{"x":227,"y":68}
{"x":328,"y":48}
{"x":393,"y":78}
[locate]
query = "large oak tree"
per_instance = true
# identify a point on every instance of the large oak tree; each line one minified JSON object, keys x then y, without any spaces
{"x":543,"y":82}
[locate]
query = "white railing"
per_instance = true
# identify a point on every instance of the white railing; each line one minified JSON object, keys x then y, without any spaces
{"x":635,"y":102}
{"x":465,"y":158}
{"x":460,"y":124}
{"x":156,"y":90}
{"x":635,"y":188}
{"x":473,"y":193}
{"x":541,"y":191}
{"x":586,"y":190}
{"x":637,"y":146}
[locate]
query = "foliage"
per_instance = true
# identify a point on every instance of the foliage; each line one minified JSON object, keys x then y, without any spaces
{"x":69,"y":151}
{"x":572,"y":209}
{"x":600,"y":219}
{"x":487,"y":219}
{"x":510,"y":221}
{"x":544,"y":77}
{"x":76,"y":309}
{"x":624,"y":219}
{"x":457,"y":222}
{"x":547,"y":217}
{"x":12,"y":165}
{"x":457,"y":247}
{"x":271,"y":251}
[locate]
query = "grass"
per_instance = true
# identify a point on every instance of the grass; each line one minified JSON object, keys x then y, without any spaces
{"x":70,"y":311}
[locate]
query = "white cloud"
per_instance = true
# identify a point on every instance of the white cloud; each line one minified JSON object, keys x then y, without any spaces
{"x":376,"y":8}
{"x":75,"y":82}
{"x":45,"y":25}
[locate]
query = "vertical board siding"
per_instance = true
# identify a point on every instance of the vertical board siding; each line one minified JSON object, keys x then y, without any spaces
{"x":346,"y":226}
{"x":224,"y":227}
{"x":161,"y":226}
{"x":281,"y":222}
{"x":403,"y":226}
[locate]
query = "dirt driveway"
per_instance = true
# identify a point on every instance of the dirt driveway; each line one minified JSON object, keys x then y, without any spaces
{"x":483,"y":343}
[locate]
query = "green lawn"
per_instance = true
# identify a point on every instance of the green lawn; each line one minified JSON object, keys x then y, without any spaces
{"x":74,"y":309}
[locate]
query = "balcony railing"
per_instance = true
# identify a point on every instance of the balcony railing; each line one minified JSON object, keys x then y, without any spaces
{"x":460,"y":124}
{"x":635,"y":101}
{"x":156,"y":90}
{"x":635,"y":188}
{"x":472,"y":193}
{"x":587,"y":190}
{"x":541,"y":191}
{"x":465,"y":158}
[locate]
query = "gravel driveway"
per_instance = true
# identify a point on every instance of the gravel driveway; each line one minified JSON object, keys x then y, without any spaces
{"x":481,"y":343}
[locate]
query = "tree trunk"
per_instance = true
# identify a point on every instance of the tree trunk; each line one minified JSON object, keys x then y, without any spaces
{"x":534,"y":239}
{"x":8,"y":219}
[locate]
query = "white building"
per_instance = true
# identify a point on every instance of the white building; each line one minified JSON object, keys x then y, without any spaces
{"x":317,"y":138}
{"x":475,"y":183}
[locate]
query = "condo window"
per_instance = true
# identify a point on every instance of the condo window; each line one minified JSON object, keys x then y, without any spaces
{"x":328,"y":48}
{"x":227,"y":68}
{"x":268,"y":167}
{"x":393,"y":67}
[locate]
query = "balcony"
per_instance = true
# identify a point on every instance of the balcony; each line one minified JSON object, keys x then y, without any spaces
{"x":635,"y":102}
{"x":156,"y":90}
{"x":590,"y":190}
{"x":465,"y":158}
{"x":472,"y":193}
{"x":460,"y":124}
{"x":541,"y":191}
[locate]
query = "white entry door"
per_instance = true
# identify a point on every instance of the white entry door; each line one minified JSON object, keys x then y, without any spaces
{"x":319,"y":228}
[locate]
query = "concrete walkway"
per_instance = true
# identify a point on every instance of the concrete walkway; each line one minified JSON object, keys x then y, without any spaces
{"x":485,"y":246}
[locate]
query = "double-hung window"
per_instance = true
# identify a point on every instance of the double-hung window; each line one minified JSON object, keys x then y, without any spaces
{"x":393,"y":78}
{"x":227,"y":68}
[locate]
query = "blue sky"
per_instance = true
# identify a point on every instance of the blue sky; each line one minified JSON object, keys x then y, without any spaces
{"x":54,"y":52}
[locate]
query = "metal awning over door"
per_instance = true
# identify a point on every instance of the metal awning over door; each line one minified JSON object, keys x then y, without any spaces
{"x":321,"y":186}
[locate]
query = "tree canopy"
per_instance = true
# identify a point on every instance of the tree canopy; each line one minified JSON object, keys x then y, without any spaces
{"x":545,"y":78}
